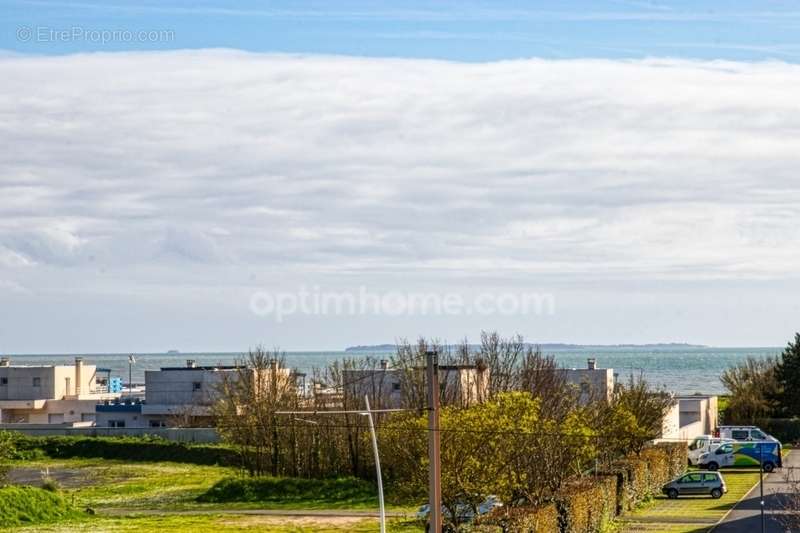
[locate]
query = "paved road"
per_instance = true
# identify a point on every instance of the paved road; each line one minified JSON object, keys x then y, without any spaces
{"x":746,"y":515}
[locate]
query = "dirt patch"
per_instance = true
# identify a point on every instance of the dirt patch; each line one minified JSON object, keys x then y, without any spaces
{"x":299,"y":521}
{"x":69,"y":478}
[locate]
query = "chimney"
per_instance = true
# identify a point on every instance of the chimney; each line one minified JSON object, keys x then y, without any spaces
{"x":592,"y":363}
{"x":5,"y":361}
{"x":384,"y":364}
{"x":190,"y":363}
{"x":78,"y":372}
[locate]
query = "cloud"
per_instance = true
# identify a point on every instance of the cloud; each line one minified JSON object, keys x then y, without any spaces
{"x":143,"y":163}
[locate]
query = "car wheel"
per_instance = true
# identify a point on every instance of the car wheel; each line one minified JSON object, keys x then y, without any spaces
{"x":769,"y":467}
{"x":716,"y":493}
{"x":713,"y":466}
{"x":672,"y":494}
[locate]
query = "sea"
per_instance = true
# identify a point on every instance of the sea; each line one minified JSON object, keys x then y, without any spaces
{"x":682,"y":370}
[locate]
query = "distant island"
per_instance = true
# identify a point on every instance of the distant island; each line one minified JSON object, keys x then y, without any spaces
{"x":549,"y":346}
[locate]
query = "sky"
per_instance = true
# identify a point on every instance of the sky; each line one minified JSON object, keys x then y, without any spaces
{"x":190,"y":175}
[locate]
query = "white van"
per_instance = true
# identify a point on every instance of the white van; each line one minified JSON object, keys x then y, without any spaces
{"x":702,"y":445}
{"x":743,"y":433}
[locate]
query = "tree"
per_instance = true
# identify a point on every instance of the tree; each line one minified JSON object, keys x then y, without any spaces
{"x":638,"y":413}
{"x":788,"y":376}
{"x":246,"y":411}
{"x":507,"y":446}
{"x":754,"y":390}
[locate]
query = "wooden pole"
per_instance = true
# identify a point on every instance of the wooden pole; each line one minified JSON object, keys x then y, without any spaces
{"x":434,"y":445}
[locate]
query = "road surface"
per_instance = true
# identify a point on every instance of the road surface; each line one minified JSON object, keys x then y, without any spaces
{"x":745,"y":517}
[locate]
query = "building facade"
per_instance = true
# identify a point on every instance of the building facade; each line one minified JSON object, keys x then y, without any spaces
{"x":49,"y":394}
{"x":591,"y":383}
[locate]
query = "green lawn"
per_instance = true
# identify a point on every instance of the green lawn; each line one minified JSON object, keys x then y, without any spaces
{"x":690,"y":514}
{"x":218,"y":523}
{"x":125,"y":494}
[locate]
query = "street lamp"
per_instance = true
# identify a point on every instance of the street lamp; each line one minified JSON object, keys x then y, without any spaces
{"x":131,"y":362}
{"x":368,"y":414}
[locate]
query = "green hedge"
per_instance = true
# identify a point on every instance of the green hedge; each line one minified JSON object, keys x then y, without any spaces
{"x":128,"y":448}
{"x":587,"y":505}
{"x":29,"y":505}
{"x":273,"y":489}
{"x":542,"y":519}
{"x":786,"y":430}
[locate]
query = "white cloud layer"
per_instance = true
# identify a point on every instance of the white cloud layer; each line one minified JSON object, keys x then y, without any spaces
{"x":219,"y":168}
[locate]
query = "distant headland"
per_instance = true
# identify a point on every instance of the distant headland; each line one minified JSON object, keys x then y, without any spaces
{"x":552,"y":346}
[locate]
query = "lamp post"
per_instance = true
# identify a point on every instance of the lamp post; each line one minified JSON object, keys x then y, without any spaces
{"x":368,"y":414}
{"x":131,"y":361}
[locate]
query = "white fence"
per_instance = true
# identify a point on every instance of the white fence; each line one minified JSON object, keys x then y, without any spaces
{"x":204,"y":435}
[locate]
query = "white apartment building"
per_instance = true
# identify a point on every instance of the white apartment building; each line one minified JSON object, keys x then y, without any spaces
{"x":592,"y":383}
{"x":49,"y":394}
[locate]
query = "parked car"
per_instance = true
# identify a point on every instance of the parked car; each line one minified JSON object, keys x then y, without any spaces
{"x":701,"y":482}
{"x":743,"y":433}
{"x":766,"y":453}
{"x":702,"y":445}
{"x":464,"y":511}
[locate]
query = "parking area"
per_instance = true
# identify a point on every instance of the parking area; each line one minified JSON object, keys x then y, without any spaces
{"x":691,"y":514}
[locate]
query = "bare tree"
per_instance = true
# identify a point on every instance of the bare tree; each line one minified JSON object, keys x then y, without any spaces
{"x":789,"y":501}
{"x":246,"y":411}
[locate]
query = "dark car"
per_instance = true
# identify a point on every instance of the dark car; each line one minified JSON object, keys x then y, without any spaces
{"x":698,"y":483}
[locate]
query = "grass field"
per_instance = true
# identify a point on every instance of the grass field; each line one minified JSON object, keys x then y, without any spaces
{"x":218,"y":523}
{"x":140,"y":496}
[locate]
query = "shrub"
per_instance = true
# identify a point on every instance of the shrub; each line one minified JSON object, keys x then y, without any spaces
{"x":587,"y":505}
{"x":266,"y":489}
{"x":783,"y":429}
{"x":128,"y":448}
{"x":30,"y":505}
{"x":543,"y":519}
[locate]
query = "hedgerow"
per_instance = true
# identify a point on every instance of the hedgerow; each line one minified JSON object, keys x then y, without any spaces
{"x":128,"y":448}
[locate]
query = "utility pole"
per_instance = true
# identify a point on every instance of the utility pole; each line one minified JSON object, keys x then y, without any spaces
{"x":434,"y":445}
{"x":761,"y":482}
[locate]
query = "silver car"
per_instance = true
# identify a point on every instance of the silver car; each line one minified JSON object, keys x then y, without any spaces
{"x":702,"y":482}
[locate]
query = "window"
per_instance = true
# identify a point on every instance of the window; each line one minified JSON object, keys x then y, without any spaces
{"x":756,"y":434}
{"x":3,"y":381}
{"x":710,"y":477}
{"x":197,"y":385}
{"x":740,"y":434}
{"x":727,"y":448}
{"x":395,"y":386}
{"x":692,"y":478}
{"x":37,"y":382}
{"x":116,"y":423}
{"x":158,"y":424}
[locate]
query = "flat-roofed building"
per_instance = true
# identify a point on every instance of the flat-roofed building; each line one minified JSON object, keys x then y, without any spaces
{"x":592,"y":383}
{"x":181,"y":396}
{"x":49,"y":394}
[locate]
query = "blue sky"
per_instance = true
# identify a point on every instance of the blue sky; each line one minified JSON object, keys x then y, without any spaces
{"x":635,"y":161}
{"x":462,"y":31}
